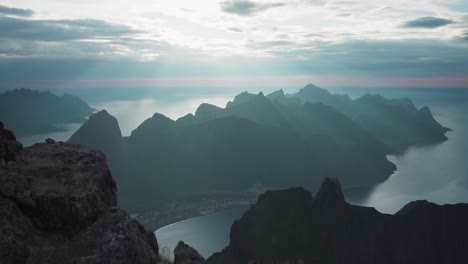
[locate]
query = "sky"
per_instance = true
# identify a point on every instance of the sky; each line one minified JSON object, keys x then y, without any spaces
{"x":231,"y":43}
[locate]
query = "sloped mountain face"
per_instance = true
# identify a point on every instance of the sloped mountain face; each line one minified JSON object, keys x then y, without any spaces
{"x":226,"y":154}
{"x":258,"y":109}
{"x":240,"y":99}
{"x":280,"y":97}
{"x":275,"y":140}
{"x":314,"y":94}
{"x":396,"y":122}
{"x":32,"y":112}
{"x":286,"y":226}
{"x":100,"y":131}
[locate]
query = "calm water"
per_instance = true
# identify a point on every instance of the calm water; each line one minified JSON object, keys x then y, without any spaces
{"x":58,"y":136}
{"x":436,"y":173}
{"x":208,"y":234}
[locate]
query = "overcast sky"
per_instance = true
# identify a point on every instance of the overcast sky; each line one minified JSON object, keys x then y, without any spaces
{"x":109,"y":43}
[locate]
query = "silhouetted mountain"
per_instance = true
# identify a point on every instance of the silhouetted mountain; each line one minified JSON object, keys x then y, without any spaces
{"x":255,"y":140}
{"x":208,"y":112}
{"x":396,"y":122}
{"x":314,"y":94}
{"x":226,"y":154}
{"x":258,"y":109}
{"x":240,"y":99}
{"x":281,"y":97}
{"x":289,"y":225}
{"x":100,"y":131}
{"x":32,"y":112}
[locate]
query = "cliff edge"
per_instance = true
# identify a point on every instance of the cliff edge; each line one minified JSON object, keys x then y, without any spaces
{"x":58,"y":205}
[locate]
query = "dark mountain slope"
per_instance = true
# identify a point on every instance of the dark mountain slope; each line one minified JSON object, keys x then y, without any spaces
{"x":291,"y":225}
{"x":101,"y":131}
{"x":32,"y":112}
{"x":396,"y":122}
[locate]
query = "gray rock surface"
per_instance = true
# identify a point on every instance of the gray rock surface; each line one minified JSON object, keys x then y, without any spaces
{"x":50,"y":141}
{"x":63,"y":187}
{"x":185,"y":254}
{"x":57,"y":205}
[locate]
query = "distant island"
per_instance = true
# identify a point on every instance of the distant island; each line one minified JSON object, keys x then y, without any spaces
{"x":30,"y":112}
{"x":276,"y":140}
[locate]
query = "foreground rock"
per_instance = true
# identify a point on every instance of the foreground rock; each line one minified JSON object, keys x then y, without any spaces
{"x":57,"y":205}
{"x":290,"y":226}
{"x":185,"y":254}
{"x":8,"y":145}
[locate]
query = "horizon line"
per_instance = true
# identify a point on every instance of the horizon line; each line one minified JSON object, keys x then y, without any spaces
{"x":331,"y":81}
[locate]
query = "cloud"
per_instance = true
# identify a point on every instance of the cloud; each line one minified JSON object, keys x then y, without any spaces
{"x":246,"y":7}
{"x":235,"y":29}
{"x":4,"y":10}
{"x":81,"y":38}
{"x":464,"y":36}
{"x":60,"y":30}
{"x":427,"y":22}
{"x":268,"y":44}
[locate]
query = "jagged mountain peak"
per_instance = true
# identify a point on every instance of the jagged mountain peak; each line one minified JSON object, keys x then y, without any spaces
{"x":207,"y":109}
{"x":330,"y":193}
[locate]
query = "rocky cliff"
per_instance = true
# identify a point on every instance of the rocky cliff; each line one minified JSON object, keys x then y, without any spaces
{"x":290,"y":226}
{"x":58,"y":205}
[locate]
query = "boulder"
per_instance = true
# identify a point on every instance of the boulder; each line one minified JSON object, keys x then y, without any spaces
{"x":61,"y":187}
{"x":15,"y":145}
{"x":57,"y":205}
{"x":50,"y":141}
{"x":113,"y":238}
{"x":185,"y":254}
{"x":14,"y":231}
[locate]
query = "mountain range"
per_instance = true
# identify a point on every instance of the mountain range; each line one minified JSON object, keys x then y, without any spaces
{"x":30,"y":112}
{"x":278,"y":140}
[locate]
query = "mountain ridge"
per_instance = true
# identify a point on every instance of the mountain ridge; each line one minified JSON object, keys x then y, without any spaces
{"x":257,"y":141}
{"x":326,"y":229}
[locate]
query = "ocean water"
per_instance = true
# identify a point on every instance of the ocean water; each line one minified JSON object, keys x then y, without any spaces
{"x":438,"y":173}
{"x":207,"y":234}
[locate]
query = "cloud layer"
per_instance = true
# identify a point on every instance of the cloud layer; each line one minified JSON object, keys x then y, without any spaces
{"x":177,"y":38}
{"x":4,"y":10}
{"x":246,"y":7}
{"x":428,"y":22}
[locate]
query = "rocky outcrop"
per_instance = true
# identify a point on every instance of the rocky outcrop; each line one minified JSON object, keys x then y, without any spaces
{"x":8,"y":145}
{"x":57,"y":205}
{"x":185,"y":254}
{"x":290,"y":225}
{"x":330,"y":194}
